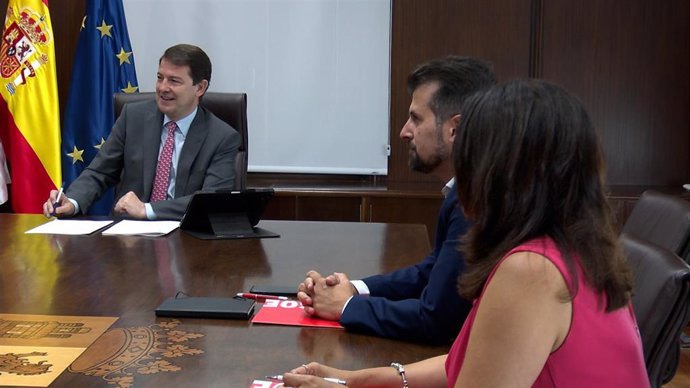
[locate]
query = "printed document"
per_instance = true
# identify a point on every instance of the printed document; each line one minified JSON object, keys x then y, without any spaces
{"x":141,"y":228}
{"x":72,"y":227}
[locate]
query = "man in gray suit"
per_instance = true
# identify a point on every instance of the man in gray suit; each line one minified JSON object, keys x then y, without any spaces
{"x":155,"y":179}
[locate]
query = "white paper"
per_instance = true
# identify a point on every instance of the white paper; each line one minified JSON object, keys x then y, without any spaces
{"x":141,"y":228}
{"x":73,"y":227}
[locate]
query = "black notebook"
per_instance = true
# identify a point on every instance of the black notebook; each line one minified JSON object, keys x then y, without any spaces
{"x":289,"y":291}
{"x":206,"y":307}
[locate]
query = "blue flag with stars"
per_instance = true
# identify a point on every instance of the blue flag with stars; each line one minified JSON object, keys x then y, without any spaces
{"x":103,"y":65}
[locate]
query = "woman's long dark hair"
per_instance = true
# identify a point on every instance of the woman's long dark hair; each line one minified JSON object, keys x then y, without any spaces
{"x":528,"y":163}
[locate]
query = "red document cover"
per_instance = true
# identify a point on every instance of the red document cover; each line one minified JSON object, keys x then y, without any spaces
{"x":289,"y":312}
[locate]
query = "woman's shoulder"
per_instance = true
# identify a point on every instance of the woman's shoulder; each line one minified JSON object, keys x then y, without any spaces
{"x":543,"y":245}
{"x":537,"y":261}
{"x":529,"y":267}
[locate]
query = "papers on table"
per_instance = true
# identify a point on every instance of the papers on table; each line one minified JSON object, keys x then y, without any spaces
{"x":73,"y":227}
{"x":122,"y":228}
{"x":142,"y":228}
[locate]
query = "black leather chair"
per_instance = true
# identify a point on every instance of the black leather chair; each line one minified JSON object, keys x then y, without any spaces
{"x":663,"y":220}
{"x":229,"y":107}
{"x":661,"y":300}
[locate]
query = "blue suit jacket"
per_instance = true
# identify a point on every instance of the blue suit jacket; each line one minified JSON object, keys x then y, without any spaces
{"x":420,"y":302}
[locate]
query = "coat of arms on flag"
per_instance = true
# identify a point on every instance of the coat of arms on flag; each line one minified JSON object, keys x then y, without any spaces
{"x":18,"y":48}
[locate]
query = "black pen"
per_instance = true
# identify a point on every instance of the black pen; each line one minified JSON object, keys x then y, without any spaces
{"x":329,"y":379}
{"x":57,"y":200}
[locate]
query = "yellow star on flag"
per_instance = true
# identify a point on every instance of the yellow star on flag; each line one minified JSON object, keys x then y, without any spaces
{"x":98,"y":146}
{"x":76,"y":155}
{"x":123,"y":56}
{"x":130,"y":88}
{"x":105,"y":29}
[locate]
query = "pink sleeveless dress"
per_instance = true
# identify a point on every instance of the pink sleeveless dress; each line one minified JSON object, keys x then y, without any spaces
{"x":601,"y":349}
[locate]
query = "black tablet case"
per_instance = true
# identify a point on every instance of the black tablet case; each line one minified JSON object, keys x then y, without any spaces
{"x":227,"y":214}
{"x":206,"y":307}
{"x":289,"y":291}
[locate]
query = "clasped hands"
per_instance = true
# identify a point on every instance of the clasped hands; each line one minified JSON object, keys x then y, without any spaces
{"x":325,"y":296}
{"x":129,"y":205}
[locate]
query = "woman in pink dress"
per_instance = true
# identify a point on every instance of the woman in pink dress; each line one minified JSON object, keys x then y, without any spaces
{"x":550,"y":284}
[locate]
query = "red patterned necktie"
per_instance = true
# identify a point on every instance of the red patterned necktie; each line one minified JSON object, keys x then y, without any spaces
{"x":160,"y":183}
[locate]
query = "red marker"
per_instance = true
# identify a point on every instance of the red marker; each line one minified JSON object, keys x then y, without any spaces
{"x":260,"y":296}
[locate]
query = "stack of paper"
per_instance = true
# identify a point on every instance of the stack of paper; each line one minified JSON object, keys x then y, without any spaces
{"x":142,"y":228}
{"x":122,"y":228}
{"x":73,"y":227}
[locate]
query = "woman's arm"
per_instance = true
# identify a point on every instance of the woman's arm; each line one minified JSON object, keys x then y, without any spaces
{"x":429,"y":373}
{"x":524,"y":315}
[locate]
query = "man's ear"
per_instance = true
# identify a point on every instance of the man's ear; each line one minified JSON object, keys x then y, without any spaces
{"x":454,"y":123}
{"x":201,"y":87}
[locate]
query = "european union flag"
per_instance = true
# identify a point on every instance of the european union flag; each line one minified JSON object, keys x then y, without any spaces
{"x":103,"y":65}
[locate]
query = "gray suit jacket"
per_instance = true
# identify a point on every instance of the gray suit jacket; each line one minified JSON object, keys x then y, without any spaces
{"x":129,"y":157}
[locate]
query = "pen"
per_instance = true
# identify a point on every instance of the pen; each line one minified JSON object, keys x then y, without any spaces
{"x":57,"y":199}
{"x":260,"y":296}
{"x":329,"y":379}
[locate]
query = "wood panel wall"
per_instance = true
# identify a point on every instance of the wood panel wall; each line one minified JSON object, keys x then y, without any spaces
{"x":628,"y":60}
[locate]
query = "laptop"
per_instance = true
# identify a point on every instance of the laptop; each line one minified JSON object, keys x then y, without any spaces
{"x":227,"y":214}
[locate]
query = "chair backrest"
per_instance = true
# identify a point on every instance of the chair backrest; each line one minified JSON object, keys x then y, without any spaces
{"x":662,"y":219}
{"x":229,"y":107}
{"x":661,"y":301}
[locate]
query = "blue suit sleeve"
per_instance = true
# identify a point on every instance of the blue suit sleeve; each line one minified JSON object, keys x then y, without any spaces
{"x":420,"y":302}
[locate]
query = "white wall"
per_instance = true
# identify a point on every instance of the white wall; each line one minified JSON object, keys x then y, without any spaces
{"x":316,"y":73}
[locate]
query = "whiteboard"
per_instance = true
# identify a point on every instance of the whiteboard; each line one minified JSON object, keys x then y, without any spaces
{"x":316,"y":73}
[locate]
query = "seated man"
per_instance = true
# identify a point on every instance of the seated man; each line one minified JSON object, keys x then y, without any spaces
{"x":159,"y":153}
{"x":420,"y":302}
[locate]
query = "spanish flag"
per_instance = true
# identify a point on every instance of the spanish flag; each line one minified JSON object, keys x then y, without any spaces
{"x":29,"y":112}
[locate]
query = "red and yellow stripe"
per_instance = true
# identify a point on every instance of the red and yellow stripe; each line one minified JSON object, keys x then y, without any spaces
{"x":29,"y":111}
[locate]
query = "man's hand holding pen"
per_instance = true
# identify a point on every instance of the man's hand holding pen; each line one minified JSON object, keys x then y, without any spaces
{"x":58,"y":205}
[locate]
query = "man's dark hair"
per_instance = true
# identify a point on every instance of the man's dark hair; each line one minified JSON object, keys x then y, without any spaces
{"x":457,"y":78}
{"x":192,"y":56}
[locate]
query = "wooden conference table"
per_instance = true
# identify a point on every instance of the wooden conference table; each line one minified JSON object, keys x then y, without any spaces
{"x":127,"y":277}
